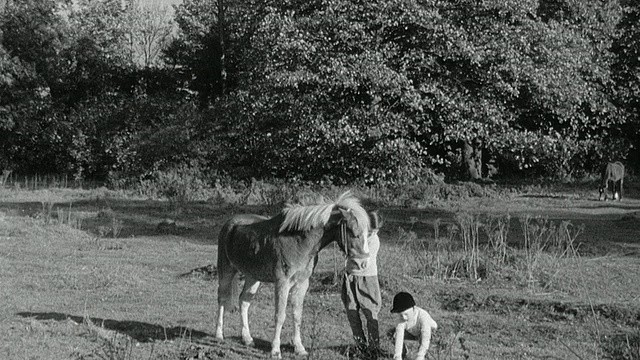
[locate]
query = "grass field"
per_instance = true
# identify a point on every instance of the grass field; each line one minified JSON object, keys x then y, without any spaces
{"x":96,"y":274}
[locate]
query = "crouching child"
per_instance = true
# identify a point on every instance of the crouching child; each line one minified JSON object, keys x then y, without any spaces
{"x":415,"y":324}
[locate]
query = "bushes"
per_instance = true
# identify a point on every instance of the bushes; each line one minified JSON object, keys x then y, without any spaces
{"x":179,"y":185}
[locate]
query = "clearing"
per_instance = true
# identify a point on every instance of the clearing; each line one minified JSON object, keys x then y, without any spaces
{"x":93,"y":275}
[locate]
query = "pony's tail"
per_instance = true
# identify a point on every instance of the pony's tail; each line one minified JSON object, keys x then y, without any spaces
{"x":228,"y":275}
{"x":234,"y":300}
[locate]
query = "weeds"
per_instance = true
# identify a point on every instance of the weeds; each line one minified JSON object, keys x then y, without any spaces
{"x":623,"y":346}
{"x":497,"y":230}
{"x":105,"y":213}
{"x":536,"y":236}
{"x":565,"y":239}
{"x":441,"y":269}
{"x":69,"y":218}
{"x":3,"y":178}
{"x":408,"y":257}
{"x":116,"y":227}
{"x":178,"y":185}
{"x":47,"y":209}
{"x":462,"y":252}
{"x":317,"y":331}
{"x":443,"y":345}
{"x":469,"y":226}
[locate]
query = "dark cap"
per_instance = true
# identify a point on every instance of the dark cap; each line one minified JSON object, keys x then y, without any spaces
{"x":402,"y":301}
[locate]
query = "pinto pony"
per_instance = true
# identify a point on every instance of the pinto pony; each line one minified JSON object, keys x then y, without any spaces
{"x":283,"y":250}
{"x":612,"y":179}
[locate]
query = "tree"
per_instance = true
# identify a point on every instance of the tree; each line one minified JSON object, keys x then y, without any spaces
{"x":322,"y":100}
{"x":197,"y":48}
{"x":531,"y":83}
{"x":32,"y":34}
{"x":56,"y":59}
{"x":342,"y":86}
{"x":626,"y":70}
{"x":148,"y":31}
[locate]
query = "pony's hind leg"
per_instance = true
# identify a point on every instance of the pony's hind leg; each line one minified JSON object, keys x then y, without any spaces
{"x":248,"y":292}
{"x":298,"y":293}
{"x":227,"y":294}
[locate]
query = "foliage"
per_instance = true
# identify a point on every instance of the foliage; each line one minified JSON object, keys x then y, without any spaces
{"x":195,"y":49}
{"x":125,"y":137}
{"x":180,"y":184}
{"x":344,"y":91}
{"x":149,"y":32}
{"x":626,"y":71}
{"x":334,"y":92}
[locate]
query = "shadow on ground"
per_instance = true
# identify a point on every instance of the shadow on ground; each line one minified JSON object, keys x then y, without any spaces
{"x":140,"y":331}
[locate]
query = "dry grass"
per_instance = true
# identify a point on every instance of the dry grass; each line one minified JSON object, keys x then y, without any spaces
{"x":70,"y":293}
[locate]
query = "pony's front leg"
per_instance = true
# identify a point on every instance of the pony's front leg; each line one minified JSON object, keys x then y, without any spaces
{"x":248,"y":292}
{"x":281,"y":296}
{"x":297,"y":300}
{"x":220,"y":323}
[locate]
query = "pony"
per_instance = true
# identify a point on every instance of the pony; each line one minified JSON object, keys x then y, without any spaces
{"x":284,"y":250}
{"x":613,"y":175}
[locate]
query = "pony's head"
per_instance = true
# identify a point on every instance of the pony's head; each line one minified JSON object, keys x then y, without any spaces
{"x":343,"y":220}
{"x":353,"y":234}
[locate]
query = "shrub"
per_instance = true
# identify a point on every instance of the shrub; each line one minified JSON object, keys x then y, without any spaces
{"x":179,"y":185}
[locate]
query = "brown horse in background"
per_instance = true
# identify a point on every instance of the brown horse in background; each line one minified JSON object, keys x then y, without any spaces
{"x":283,"y":250}
{"x":612,"y":179}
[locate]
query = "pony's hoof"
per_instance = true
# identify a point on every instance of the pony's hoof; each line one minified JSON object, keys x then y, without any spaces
{"x":219,"y":337}
{"x":300,"y":350}
{"x":275,"y":354}
{"x":248,"y":342}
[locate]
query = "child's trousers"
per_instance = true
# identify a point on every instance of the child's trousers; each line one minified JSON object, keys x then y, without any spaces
{"x":361,"y":294}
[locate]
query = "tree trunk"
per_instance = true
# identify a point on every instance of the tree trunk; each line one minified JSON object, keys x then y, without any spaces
{"x":472,"y":153}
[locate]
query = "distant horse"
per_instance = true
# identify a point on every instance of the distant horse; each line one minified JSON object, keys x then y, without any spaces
{"x":612,"y":179}
{"x":283,"y":250}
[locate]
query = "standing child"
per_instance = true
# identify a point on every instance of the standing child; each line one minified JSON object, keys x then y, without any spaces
{"x":361,"y":293}
{"x":416,"y":324}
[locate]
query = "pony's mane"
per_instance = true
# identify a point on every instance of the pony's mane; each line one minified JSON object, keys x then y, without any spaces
{"x":306,"y":216}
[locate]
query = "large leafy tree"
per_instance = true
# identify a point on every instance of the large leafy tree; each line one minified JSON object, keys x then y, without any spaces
{"x":33,"y":35}
{"x":197,"y":49}
{"x":57,"y":59}
{"x":360,"y":90}
{"x":321,"y":98}
{"x":336,"y":89}
{"x":626,"y":71}
{"x":532,"y":87}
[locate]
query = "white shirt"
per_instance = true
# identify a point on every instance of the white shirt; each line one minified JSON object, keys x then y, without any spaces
{"x":419,"y":324}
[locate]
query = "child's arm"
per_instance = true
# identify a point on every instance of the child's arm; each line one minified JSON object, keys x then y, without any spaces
{"x":425,"y":340}
{"x":399,"y":338}
{"x":425,"y":337}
